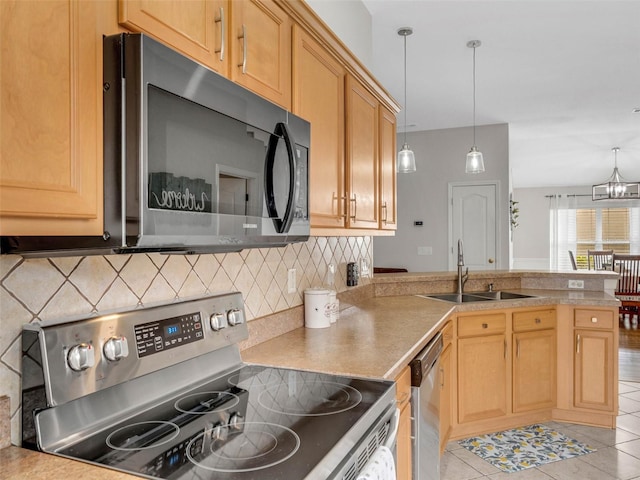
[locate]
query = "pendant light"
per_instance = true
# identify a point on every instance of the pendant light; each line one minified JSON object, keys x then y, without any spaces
{"x":406,"y":159}
{"x":616,"y":188}
{"x":475,"y":163}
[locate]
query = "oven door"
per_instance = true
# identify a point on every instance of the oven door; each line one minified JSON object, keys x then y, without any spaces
{"x":206,"y":162}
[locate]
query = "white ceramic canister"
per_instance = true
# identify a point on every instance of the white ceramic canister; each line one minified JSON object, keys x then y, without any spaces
{"x":317,"y":308}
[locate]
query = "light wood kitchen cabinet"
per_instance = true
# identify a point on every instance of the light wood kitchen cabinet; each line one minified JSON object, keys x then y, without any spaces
{"x":362,"y":156}
{"x":594,"y":344}
{"x":482,"y":367}
{"x":534,"y":360}
{"x":197,"y":28}
{"x":51,"y":116}
{"x":318,"y":96}
{"x":446,"y":385}
{"x":248,"y":41}
{"x":403,"y":399}
{"x":387,"y":153}
{"x":261,"y":49}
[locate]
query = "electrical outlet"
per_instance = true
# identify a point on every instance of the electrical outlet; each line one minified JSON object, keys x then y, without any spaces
{"x":425,"y":250}
{"x":576,"y":283}
{"x":291,"y":280}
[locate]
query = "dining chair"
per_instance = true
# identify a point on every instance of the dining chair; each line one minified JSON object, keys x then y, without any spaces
{"x":573,"y":260}
{"x":600,"y":259}
{"x":628,"y":288}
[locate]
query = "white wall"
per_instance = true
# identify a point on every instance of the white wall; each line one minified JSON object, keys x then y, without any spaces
{"x":531,"y":238}
{"x":440,"y":159}
{"x":351,"y":22}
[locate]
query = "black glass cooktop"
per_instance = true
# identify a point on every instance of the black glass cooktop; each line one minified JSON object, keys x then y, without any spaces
{"x":255,"y":423}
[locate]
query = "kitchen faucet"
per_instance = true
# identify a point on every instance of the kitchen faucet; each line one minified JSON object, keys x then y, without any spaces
{"x":462,"y":279}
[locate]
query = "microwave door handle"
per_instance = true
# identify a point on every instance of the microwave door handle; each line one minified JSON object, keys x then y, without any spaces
{"x":281,"y":131}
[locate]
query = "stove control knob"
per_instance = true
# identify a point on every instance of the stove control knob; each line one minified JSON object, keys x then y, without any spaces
{"x":81,"y":357}
{"x":236,"y":422}
{"x":235,"y":317}
{"x":219,"y":433}
{"x":218,"y":322}
{"x":116,"y":348}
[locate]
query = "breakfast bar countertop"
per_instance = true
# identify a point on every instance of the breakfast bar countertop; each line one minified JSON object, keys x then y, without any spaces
{"x":377,"y":337}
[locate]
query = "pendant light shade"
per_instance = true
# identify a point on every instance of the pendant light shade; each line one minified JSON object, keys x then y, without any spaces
{"x":616,"y":188}
{"x":475,"y":162}
{"x":406,"y":159}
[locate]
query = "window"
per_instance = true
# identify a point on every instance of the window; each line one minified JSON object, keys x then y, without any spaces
{"x":580,"y":225}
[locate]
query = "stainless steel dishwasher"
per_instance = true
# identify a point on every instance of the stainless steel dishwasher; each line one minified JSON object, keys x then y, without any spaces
{"x":425,"y":411}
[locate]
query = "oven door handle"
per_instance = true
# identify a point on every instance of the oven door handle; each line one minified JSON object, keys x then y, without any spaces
{"x":393,"y":430}
{"x":281,"y":223}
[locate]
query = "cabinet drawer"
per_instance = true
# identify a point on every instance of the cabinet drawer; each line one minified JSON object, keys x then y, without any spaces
{"x":534,"y":320}
{"x":403,"y":387}
{"x":447,"y":334}
{"x":601,"y":319}
{"x":481,"y":324}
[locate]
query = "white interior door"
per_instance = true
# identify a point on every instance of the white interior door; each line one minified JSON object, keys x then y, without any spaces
{"x":473,"y":219}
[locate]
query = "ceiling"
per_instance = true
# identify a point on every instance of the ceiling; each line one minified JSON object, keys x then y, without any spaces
{"x":565,"y":76}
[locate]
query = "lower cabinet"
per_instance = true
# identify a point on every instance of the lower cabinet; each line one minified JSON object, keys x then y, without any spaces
{"x":519,"y":366}
{"x":534,"y":360}
{"x":446,"y":379}
{"x":403,"y":399}
{"x":482,"y":367}
{"x":594,"y":380}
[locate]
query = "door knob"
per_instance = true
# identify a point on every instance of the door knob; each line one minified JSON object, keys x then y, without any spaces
{"x":491,"y":260}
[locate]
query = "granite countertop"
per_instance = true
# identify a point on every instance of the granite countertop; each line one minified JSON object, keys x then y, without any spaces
{"x":377,"y":337}
{"x":20,"y":463}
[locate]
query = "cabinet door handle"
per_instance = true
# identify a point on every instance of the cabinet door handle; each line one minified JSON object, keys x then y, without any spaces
{"x":384,"y":207}
{"x":594,"y":319}
{"x":244,"y":49}
{"x":538,"y":320}
{"x":336,"y":198}
{"x":578,"y":344}
{"x":505,"y":349}
{"x":485,"y":325}
{"x":223,"y":33}
{"x":518,"y":348}
{"x":441,"y":377}
{"x":355,"y":207}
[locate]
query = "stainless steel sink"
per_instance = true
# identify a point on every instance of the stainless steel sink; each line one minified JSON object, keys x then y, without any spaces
{"x":499,"y":295}
{"x":458,"y":298}
{"x":477,"y":296}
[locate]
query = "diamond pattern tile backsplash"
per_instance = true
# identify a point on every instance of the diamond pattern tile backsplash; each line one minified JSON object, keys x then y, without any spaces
{"x":54,"y":288}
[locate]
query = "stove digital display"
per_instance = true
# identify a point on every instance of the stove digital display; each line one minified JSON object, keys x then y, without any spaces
{"x":154,"y":337}
{"x":172,"y":330}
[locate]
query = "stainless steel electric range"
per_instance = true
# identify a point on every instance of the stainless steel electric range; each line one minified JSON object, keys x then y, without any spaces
{"x":162,"y":392}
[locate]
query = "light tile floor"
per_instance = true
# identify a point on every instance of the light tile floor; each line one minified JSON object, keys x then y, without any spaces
{"x":618,"y":455}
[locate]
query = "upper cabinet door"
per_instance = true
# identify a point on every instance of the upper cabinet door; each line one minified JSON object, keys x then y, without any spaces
{"x":362,"y":156}
{"x":51,"y":116}
{"x":261,"y":49}
{"x":198,"y":28}
{"x":388,"y":196}
{"x":318,"y":96}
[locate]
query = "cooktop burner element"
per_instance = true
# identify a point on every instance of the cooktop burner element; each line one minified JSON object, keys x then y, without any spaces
{"x":311,"y":398}
{"x":257,"y":446}
{"x":192,"y":410}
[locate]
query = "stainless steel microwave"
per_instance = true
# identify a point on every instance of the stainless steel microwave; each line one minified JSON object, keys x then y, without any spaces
{"x":192,"y":161}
